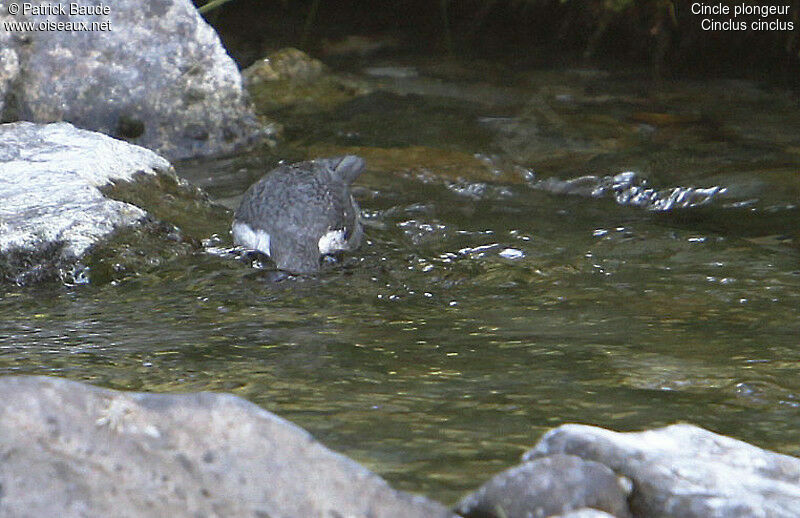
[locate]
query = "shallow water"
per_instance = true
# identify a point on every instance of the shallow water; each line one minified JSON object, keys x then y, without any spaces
{"x":479,"y":313}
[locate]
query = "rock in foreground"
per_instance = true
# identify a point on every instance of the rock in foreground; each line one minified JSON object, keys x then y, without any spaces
{"x":152,"y":72}
{"x":548,"y":486}
{"x":71,"y":449}
{"x":685,"y":471}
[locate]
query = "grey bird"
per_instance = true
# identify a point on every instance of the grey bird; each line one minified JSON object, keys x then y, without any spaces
{"x":300,"y":212}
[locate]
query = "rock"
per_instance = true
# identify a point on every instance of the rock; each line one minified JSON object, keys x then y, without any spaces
{"x":291,"y":78}
{"x":66,"y":190}
{"x":70,"y":449}
{"x":152,"y":72}
{"x":548,"y":486}
{"x":49,"y":188}
{"x":685,"y":471}
{"x":287,"y":64}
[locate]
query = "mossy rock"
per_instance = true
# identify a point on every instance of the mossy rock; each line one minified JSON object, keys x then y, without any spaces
{"x":290,"y":78}
{"x":180,"y":217}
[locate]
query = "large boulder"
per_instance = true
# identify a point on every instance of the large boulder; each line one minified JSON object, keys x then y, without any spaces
{"x":64,"y":190}
{"x":685,"y":471}
{"x":70,"y":449}
{"x":150,"y":71}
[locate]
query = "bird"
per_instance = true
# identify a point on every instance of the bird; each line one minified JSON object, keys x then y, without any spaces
{"x":298,"y":213}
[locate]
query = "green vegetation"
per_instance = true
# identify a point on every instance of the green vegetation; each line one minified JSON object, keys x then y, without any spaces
{"x":211,"y":5}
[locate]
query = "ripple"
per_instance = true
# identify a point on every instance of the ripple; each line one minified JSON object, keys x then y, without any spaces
{"x":628,"y":188}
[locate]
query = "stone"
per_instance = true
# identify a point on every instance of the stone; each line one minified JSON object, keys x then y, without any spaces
{"x":290,"y":78}
{"x":685,"y":471}
{"x":70,"y":449}
{"x":72,"y":195}
{"x":50,"y":177}
{"x":287,"y":64}
{"x":151,"y":72}
{"x":548,"y":486}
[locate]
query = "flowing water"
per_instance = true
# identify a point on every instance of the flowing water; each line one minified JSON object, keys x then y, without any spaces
{"x":488,"y":303}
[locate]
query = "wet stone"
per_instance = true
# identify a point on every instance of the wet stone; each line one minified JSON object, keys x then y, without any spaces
{"x":683,"y":470}
{"x":53,"y":210}
{"x":74,"y":198}
{"x":263,"y":464}
{"x":291,"y":78}
{"x":548,"y":486}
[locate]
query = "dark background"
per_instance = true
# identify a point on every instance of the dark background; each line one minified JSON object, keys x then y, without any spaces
{"x":662,"y":35}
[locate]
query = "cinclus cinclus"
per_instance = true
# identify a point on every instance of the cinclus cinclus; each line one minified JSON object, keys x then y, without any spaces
{"x":299,"y":212}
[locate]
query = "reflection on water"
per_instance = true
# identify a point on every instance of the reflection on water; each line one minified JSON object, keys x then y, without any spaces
{"x":477,"y":314}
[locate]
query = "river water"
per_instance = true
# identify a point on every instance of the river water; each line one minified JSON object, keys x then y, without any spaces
{"x":488,"y":303}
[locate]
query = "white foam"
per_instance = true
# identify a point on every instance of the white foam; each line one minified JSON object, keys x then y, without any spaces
{"x":511,"y":253}
{"x":245,"y":236}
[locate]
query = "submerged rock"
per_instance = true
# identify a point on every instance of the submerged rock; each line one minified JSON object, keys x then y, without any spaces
{"x":151,"y":72}
{"x":70,"y":449}
{"x":685,"y":471}
{"x":66,"y":190}
{"x":548,"y":486}
{"x":291,"y":78}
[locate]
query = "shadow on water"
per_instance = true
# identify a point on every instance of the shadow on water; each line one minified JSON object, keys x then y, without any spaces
{"x":479,"y":312}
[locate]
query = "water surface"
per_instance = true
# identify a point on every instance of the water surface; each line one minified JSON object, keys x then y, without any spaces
{"x":482,"y":311}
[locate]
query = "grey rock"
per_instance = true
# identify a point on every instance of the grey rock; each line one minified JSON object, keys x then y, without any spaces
{"x":50,"y":177}
{"x":686,"y":471}
{"x":548,"y":486}
{"x":153,"y":72}
{"x":70,"y":449}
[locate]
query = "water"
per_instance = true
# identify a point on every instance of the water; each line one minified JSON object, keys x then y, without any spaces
{"x":482,"y":311}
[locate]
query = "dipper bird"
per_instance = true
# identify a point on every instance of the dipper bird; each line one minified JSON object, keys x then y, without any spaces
{"x":300,"y":212}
